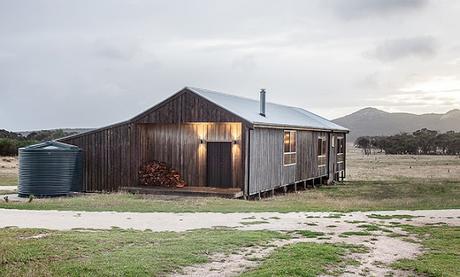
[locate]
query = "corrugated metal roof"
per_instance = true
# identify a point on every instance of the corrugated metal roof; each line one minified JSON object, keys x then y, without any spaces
{"x":275,"y":114}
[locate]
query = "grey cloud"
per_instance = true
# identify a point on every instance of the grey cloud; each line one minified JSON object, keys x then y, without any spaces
{"x":91,"y":63}
{"x":115,"y":50}
{"x":350,"y":9}
{"x":396,"y":49}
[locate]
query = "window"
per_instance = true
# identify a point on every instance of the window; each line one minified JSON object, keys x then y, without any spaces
{"x":289,"y":155}
{"x":322,"y":146}
{"x":322,"y":151}
{"x":340,"y":146}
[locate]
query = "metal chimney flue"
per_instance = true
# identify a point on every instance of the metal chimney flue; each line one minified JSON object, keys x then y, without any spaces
{"x":262,"y":102}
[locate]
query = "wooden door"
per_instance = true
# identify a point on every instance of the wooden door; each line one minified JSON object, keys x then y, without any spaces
{"x":219,"y":164}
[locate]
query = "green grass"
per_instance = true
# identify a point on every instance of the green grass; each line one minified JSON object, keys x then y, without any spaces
{"x":334,"y":216}
{"x":255,"y":222}
{"x":394,"y":216}
{"x":352,"y":196}
{"x":374,"y":227}
{"x":304,"y":259}
{"x":310,"y":234}
{"x":354,"y":233}
{"x":116,"y":252}
{"x":355,"y":221}
{"x":442,"y":251}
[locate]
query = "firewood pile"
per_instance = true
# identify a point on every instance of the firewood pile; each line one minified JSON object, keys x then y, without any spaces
{"x":157,"y":173}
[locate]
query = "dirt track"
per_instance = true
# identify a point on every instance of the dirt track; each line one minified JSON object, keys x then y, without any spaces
{"x":176,"y":222}
{"x":383,"y":249}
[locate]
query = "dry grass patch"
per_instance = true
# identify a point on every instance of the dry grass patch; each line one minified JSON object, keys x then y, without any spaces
{"x":392,"y":167}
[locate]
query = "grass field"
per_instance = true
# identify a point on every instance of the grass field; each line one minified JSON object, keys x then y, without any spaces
{"x":35,"y":252}
{"x":352,"y":196}
{"x":376,"y":182}
{"x":377,"y":167}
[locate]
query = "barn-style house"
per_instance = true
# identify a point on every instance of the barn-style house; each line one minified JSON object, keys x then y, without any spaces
{"x":216,"y":140}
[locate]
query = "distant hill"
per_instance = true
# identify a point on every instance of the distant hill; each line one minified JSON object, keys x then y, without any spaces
{"x":375,"y":122}
{"x":67,"y":131}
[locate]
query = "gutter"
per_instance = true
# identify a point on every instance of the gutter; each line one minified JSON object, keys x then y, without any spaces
{"x":302,"y":128}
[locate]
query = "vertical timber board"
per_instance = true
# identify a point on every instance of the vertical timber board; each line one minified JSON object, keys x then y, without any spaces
{"x":307,"y":155}
{"x":266,"y":157}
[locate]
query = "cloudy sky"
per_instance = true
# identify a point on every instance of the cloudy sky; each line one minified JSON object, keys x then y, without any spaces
{"x":92,"y":63}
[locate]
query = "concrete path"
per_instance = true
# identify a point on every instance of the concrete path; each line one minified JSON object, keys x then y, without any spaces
{"x":8,"y":187}
{"x":66,"y":220}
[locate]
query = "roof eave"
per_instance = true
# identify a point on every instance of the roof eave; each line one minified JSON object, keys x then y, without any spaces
{"x":298,"y":127}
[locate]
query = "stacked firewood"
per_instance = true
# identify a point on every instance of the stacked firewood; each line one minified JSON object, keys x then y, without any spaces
{"x":157,"y":173}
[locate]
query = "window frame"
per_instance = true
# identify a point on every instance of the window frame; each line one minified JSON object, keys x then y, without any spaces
{"x":323,"y":146}
{"x":341,"y":146}
{"x":322,"y":156}
{"x":291,"y":152}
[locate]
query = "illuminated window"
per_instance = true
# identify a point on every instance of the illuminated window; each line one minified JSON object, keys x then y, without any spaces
{"x":289,"y":155}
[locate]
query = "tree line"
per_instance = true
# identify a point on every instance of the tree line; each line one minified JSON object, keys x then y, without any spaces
{"x":10,"y":142}
{"x":421,"y":142}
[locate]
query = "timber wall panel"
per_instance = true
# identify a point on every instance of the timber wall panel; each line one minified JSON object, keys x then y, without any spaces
{"x":106,"y":158}
{"x":179,"y":146}
{"x":266,"y":159}
{"x":188,"y":107}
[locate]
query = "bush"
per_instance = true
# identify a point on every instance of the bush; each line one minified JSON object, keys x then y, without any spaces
{"x":9,"y":147}
{"x":424,"y":141}
{"x":10,"y":142}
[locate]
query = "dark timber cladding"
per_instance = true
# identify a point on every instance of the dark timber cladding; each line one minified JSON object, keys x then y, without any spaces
{"x":215,"y":140}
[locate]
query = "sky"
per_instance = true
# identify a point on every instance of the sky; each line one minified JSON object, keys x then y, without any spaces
{"x":92,"y":63}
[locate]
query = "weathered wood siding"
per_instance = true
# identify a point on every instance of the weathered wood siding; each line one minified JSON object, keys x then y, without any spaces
{"x":266,"y":159}
{"x":186,"y":107}
{"x":179,"y":146}
{"x":266,"y":168}
{"x":106,"y":158}
{"x":307,"y":155}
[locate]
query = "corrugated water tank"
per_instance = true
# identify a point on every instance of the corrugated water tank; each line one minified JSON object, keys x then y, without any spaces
{"x":49,"y":169}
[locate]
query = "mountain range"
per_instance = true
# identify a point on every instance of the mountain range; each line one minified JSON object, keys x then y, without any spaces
{"x":375,"y":122}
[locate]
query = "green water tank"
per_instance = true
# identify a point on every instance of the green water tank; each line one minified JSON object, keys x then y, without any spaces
{"x":49,"y":169}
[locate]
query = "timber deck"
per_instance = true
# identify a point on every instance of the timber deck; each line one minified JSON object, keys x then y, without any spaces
{"x":188,"y":191}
